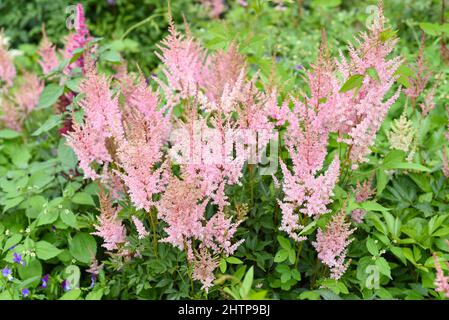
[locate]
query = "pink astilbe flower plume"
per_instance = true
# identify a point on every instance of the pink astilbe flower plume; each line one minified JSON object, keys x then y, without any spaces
{"x":204,"y":265}
{"x":360,"y":116}
{"x":141,"y":231}
{"x":441,"y":281}
{"x":183,"y":63}
{"x":47,"y":53}
{"x":332,"y":243}
{"x":109,"y":226}
{"x":102,"y":122}
{"x":10,"y":115}
{"x":28,"y":93}
{"x":7,"y":69}
{"x":77,"y":39}
{"x":362,"y":193}
{"x":214,"y":7}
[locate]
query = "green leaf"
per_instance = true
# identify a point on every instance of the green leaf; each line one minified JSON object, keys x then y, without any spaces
{"x":33,"y":269}
{"x":73,"y":84}
{"x":11,"y":203}
{"x":95,"y":295}
{"x":281,"y":256}
{"x":247,"y":283}
{"x":66,"y":156}
{"x":83,"y":247}
{"x":223,"y":265}
{"x":383,"y":266}
{"x":46,"y":251}
{"x":387,"y":34}
{"x":12,"y":241}
{"x":50,"y":95}
{"x":9,"y":134}
{"x":73,"y":294}
{"x":52,"y":121}
{"x":373,"y":206}
{"x":68,"y":218}
{"x":47,"y":216}
{"x":111,"y":56}
{"x":354,"y":82}
{"x":372,"y":72}
{"x":284,"y":242}
{"x":234,"y":260}
{"x":372,"y":246}
{"x":83,"y":198}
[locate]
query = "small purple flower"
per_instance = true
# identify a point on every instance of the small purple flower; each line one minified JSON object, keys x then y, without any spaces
{"x":65,"y":285}
{"x":7,"y":273}
{"x":13,"y":247}
{"x":45,"y":281}
{"x":25,"y":292}
{"x":111,"y":2}
{"x":17,"y":258}
{"x":277,"y":58}
{"x":299,"y":67}
{"x":93,"y":279}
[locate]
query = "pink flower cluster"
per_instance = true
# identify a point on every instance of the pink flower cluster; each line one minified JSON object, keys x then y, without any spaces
{"x":332,"y":244}
{"x":441,"y":281}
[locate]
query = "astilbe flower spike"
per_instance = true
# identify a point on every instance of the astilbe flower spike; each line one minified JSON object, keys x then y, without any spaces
{"x":27,"y":94}
{"x":77,"y":39}
{"x":362,"y":193}
{"x":332,"y":243}
{"x":102,"y":122}
{"x":141,"y":231}
{"x":109,"y":226}
{"x":7,"y":69}
{"x":360,"y":116}
{"x":441,"y":281}
{"x":47,"y":53}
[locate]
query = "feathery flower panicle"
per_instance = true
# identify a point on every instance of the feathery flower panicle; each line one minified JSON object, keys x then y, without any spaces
{"x":419,"y":83}
{"x":360,"y":116}
{"x":402,"y":135}
{"x":77,"y":39}
{"x":139,"y":154}
{"x":204,"y":265}
{"x":28,"y":93}
{"x":332,"y":243}
{"x":10,"y":117}
{"x":7,"y":69}
{"x":223,"y":69}
{"x":182,"y":207}
{"x":102,"y":122}
{"x":441,"y":281}
{"x":362,"y":193}
{"x":306,"y":191}
{"x":47,"y":53}
{"x":109,"y":226}
{"x":141,"y":231}
{"x":183,"y":63}
{"x":214,"y":7}
{"x":429,"y":102}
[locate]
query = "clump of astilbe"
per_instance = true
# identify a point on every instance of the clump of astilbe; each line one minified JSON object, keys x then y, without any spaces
{"x":402,"y":135}
{"x":47,"y":53}
{"x":360,"y":115}
{"x":445,"y":167}
{"x":7,"y":69}
{"x":102,"y":121}
{"x":429,"y":102}
{"x":332,"y":243}
{"x":109,"y":226}
{"x":362,"y":193}
{"x":76,"y":40}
